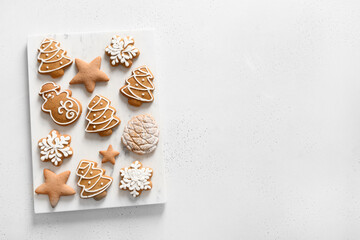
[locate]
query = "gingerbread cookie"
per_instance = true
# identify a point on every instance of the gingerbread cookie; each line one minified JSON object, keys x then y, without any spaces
{"x":101,"y":116}
{"x":53,"y":59}
{"x":141,"y":134}
{"x":136,"y":178}
{"x":139,"y":86}
{"x":63,"y":108}
{"x":122,"y":51}
{"x":55,"y":186}
{"x":89,"y":73}
{"x":92,"y":180}
{"x":109,"y":155}
{"x":55,"y":147}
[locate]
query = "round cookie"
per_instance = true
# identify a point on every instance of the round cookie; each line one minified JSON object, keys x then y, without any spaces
{"x":141,"y":134}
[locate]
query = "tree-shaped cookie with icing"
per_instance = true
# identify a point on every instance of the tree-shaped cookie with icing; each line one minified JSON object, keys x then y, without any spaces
{"x":62,"y":107}
{"x":136,"y":178}
{"x":92,"y":180}
{"x":53,"y":59}
{"x":122,"y":51}
{"x":101,"y":116}
{"x":139,"y":86}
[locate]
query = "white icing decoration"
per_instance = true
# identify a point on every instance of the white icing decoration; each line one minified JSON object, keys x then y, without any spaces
{"x":121,"y":50}
{"x":102,"y":111}
{"x":135,"y":178}
{"x":101,"y":174}
{"x":46,"y":51}
{"x":67,"y":106}
{"x":55,"y":147}
{"x":70,"y":113}
{"x":136,"y":74}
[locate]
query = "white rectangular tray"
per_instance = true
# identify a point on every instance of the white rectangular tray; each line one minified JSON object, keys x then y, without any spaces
{"x":87,"y":46}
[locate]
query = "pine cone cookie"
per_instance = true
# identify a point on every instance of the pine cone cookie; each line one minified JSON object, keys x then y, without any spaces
{"x":141,"y":134}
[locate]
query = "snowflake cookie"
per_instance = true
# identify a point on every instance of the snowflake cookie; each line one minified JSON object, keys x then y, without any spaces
{"x":141,"y":134}
{"x":122,"y":51}
{"x":55,"y":147}
{"x":136,"y":178}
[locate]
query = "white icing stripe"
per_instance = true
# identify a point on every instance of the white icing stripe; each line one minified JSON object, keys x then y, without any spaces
{"x":104,"y":109}
{"x":47,"y":51}
{"x":98,"y":191}
{"x":71,"y":114}
{"x":148,"y":89}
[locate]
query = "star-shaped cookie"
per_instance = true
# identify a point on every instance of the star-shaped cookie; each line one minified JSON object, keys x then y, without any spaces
{"x":55,"y":186}
{"x":89,"y":73}
{"x":109,"y":155}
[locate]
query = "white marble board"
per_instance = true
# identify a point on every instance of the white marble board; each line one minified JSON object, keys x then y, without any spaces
{"x":87,"y":46}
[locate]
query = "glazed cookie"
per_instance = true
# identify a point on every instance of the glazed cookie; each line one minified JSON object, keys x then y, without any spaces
{"x":55,"y":186}
{"x":55,"y":147}
{"x":89,"y":73}
{"x":135,"y":178}
{"x":92,"y":180}
{"x":109,"y":155}
{"x":139,"y":86}
{"x":122,"y":51}
{"x":53,"y":59}
{"x":63,"y":108}
{"x":141,"y":134}
{"x":101,"y":116}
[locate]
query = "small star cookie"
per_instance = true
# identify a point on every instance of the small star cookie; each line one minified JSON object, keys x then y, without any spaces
{"x":55,"y":186}
{"x":109,"y":155}
{"x":89,"y":73}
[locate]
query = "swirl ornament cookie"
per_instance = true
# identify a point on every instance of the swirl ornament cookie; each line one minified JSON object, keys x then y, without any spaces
{"x":139,"y":86}
{"x":63,"y":108}
{"x":53,"y":59}
{"x":122,"y":51}
{"x":141,"y":134}
{"x":92,"y":180}
{"x":101,"y":116}
{"x":55,"y":186}
{"x":55,"y":147}
{"x":136,"y":178}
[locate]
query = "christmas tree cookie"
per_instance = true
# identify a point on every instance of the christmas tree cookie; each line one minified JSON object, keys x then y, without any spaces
{"x":92,"y":180}
{"x":136,"y":178}
{"x":101,"y":116}
{"x":63,"y":108}
{"x":53,"y":59}
{"x":139,"y":86}
{"x":55,"y":147}
{"x":122,"y":51}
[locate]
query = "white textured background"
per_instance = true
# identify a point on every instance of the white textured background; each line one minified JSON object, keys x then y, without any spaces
{"x":261,"y":118}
